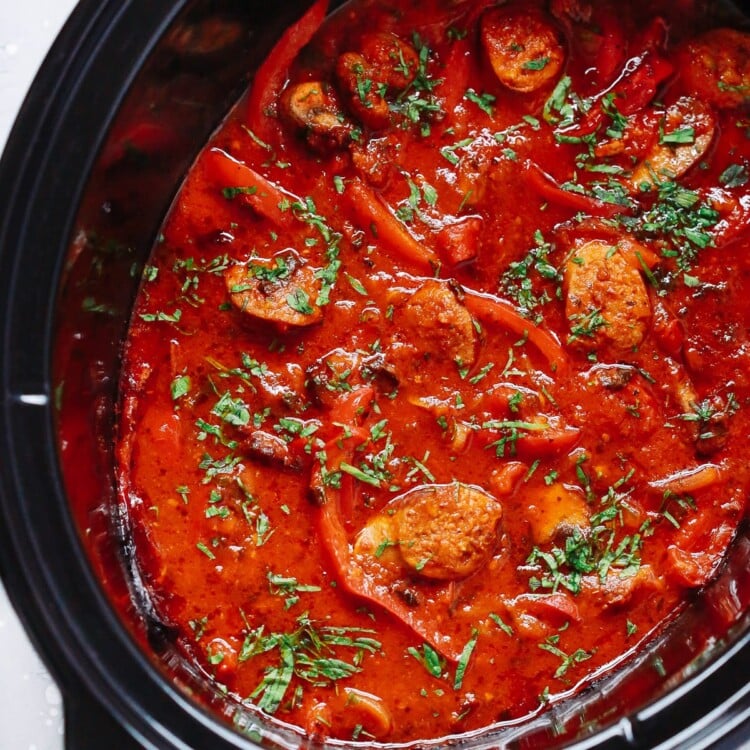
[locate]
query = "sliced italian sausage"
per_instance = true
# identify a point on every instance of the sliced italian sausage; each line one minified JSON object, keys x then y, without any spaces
{"x":523,"y":48}
{"x":607,"y":302}
{"x":441,"y":531}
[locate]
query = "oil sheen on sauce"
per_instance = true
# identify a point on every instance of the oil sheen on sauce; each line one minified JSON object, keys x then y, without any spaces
{"x":435,"y":396}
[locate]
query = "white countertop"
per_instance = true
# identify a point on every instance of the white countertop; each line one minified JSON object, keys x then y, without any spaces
{"x":31,"y":716}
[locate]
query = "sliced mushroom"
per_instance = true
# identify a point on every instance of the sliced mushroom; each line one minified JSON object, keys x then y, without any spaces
{"x":618,"y":590}
{"x":555,"y":512}
{"x":340,"y":369}
{"x":313,"y":107}
{"x":282,"y":290}
{"x":271,"y":449}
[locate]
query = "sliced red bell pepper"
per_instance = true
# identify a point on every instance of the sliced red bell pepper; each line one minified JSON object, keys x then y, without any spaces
{"x":272,"y":74}
{"x":548,"y":189}
{"x":267,"y":198}
{"x":353,"y":404}
{"x":459,"y":242}
{"x":375,"y":216}
{"x":653,"y":37}
{"x":612,"y":48}
{"x":638,"y":89}
{"x":455,"y":79}
{"x":146,"y":138}
{"x":549,"y":439}
{"x":494,"y":310}
{"x":555,"y":609}
{"x":425,"y":620}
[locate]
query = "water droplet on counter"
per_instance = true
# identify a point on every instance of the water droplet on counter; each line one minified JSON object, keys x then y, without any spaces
{"x":52,"y":694}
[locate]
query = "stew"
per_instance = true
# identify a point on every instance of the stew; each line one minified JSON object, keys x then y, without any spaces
{"x":435,"y":397}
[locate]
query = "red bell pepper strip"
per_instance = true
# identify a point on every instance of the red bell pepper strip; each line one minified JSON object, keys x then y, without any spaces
{"x":352,"y":405}
{"x":636,"y":90}
{"x":548,"y":189}
{"x":455,"y":79}
{"x":611,"y":52}
{"x":267,"y":198}
{"x":146,"y":138}
{"x":272,"y":74}
{"x":427,"y":619}
{"x":653,"y":38}
{"x":501,"y":313}
{"x":354,"y":579}
{"x":548,"y":438}
{"x":373,"y":214}
{"x":555,"y":609}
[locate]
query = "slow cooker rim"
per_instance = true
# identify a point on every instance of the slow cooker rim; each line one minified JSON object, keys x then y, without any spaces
{"x":43,"y":126}
{"x":27,"y":411}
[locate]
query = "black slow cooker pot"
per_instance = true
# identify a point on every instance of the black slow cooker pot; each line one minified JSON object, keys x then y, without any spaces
{"x":85,"y":186}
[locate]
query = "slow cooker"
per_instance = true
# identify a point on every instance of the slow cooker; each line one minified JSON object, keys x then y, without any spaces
{"x":82,"y":207}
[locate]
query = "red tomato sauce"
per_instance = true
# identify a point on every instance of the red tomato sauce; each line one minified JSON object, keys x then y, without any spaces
{"x":435,"y":396}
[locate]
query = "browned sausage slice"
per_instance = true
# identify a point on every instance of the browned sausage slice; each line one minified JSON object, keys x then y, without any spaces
{"x":396,"y":63}
{"x":441,"y":531}
{"x":688,"y":130}
{"x":716,"y":67}
{"x":607,"y":302}
{"x":358,"y":84}
{"x":440,"y":324}
{"x":523,"y":48}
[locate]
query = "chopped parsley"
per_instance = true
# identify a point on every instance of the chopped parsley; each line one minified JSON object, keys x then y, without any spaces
{"x":680,"y":218}
{"x":566,"y":660}
{"x":417,"y":102}
{"x":518,"y":283}
{"x":299,"y":301}
{"x":585,"y":325}
{"x":483,"y":101}
{"x":162,"y":317}
{"x":510,"y":431}
{"x":289,"y":587}
{"x":580,"y":555}
{"x":678,"y":137}
{"x":507,"y":629}
{"x":180,"y":387}
{"x":463,"y":660}
{"x":538,"y":63}
{"x":735,"y":175}
{"x":230,"y":193}
{"x":429,"y":659}
{"x":310,"y":653}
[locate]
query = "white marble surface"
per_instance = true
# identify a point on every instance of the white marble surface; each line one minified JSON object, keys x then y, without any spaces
{"x":31,"y":716}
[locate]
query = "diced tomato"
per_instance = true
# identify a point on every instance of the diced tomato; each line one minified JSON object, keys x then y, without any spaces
{"x":459,"y":242}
